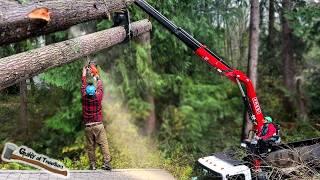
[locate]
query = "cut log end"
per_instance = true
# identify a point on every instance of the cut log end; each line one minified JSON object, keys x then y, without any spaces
{"x":40,"y":14}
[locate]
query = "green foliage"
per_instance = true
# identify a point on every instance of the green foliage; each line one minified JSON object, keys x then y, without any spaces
{"x":104,"y":24}
{"x":179,"y":163}
{"x":305,"y":20}
{"x":314,"y":93}
{"x":67,"y":78}
{"x":56,"y":37}
{"x":67,"y":120}
{"x":139,"y":108}
{"x":202,"y":108}
{"x":15,"y":166}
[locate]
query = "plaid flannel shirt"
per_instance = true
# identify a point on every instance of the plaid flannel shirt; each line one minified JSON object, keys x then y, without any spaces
{"x":91,"y":105}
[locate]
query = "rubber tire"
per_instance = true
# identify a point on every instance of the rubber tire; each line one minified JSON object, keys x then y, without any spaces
{"x":262,"y":176}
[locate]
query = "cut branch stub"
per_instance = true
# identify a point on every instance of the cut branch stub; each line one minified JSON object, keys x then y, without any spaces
{"x":40,"y":13}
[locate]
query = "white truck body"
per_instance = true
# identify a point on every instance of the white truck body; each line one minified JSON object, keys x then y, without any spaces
{"x":224,"y":168}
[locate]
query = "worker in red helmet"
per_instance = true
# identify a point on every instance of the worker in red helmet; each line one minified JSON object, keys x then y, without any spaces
{"x":92,"y":116}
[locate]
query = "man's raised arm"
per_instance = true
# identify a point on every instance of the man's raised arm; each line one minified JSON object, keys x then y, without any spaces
{"x":99,"y":91}
{"x":84,"y":81}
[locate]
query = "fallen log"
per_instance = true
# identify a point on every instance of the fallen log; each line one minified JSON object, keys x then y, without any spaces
{"x":28,"y":64}
{"x":291,"y":157}
{"x":294,"y":163}
{"x":21,"y":21}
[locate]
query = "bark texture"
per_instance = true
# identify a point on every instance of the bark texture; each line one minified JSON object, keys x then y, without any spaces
{"x":287,"y":49}
{"x":254,"y":42}
{"x":15,"y":24}
{"x":272,"y":30}
{"x":303,"y":156}
{"x":21,"y":66}
{"x":288,"y":61}
{"x":253,"y":51}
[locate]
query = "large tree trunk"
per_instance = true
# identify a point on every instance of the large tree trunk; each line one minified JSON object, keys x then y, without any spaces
{"x":288,"y":60}
{"x":253,"y":51}
{"x":253,"y":54}
{"x":254,"y":42}
{"x":287,"y":53}
{"x":261,"y":14}
{"x":271,"y":39}
{"x":15,"y":24}
{"x":151,"y":122}
{"x":271,"y":28}
{"x":21,"y":66}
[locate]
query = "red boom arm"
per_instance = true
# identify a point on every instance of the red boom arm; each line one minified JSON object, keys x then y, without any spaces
{"x":233,"y":75}
{"x":250,"y":97}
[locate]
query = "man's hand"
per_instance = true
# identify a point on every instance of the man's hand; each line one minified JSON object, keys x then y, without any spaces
{"x":96,"y":77}
{"x":93,"y":70}
{"x":84,"y":71}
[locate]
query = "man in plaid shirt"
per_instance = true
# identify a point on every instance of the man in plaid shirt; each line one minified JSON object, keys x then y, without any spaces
{"x":92,"y":117}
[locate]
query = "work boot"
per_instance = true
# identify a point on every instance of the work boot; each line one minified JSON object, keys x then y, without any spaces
{"x":107,"y":166}
{"x":92,"y":167}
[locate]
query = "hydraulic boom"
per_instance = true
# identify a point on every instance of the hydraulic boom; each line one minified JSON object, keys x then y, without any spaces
{"x":249,"y":96}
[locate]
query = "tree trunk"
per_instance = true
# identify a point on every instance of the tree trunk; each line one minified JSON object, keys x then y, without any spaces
{"x":288,"y":61}
{"x":287,"y":53}
{"x":21,"y":66}
{"x":151,"y":121}
{"x":261,"y":14}
{"x":301,"y":99}
{"x":15,"y":25}
{"x":253,"y":51}
{"x":23,"y":120}
{"x":23,"y":124}
{"x":32,"y":86}
{"x":272,"y":30}
{"x":254,"y":42}
{"x":144,"y":40}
